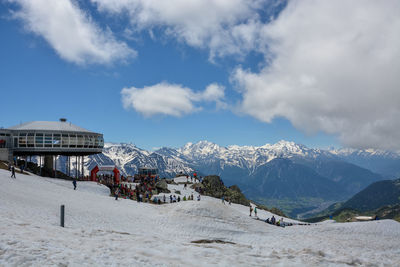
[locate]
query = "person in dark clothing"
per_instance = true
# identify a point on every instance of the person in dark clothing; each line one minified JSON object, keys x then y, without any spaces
{"x":273,"y":220}
{"x":116,"y":193}
{"x":13,"y":172}
{"x":74,"y":183}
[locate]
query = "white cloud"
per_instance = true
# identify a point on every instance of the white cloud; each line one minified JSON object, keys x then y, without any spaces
{"x":214,"y":92}
{"x":335,"y":68}
{"x":222,"y":26}
{"x":169,"y":99}
{"x":71,"y":32}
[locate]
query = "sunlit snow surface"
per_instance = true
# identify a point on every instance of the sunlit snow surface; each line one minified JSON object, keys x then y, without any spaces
{"x":103,"y":232}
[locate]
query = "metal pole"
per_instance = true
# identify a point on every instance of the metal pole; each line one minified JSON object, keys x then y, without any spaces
{"x":76,"y":166}
{"x":62,"y":212}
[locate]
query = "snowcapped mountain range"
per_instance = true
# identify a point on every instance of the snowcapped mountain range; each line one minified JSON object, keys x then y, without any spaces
{"x":170,"y":161}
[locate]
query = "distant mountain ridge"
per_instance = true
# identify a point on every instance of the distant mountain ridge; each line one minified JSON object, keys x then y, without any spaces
{"x":381,"y":198}
{"x":376,"y":195}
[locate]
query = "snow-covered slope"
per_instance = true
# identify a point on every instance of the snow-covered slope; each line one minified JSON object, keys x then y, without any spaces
{"x":103,"y":232}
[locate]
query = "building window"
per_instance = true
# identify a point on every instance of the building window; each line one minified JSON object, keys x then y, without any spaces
{"x":80,"y":141}
{"x":22,"y":140}
{"x":86,"y":141}
{"x":96,"y":142}
{"x":91,"y":141}
{"x":30,"y":140}
{"x":64,"y":140}
{"x":56,"y":140}
{"x":72,"y":140}
{"x":101,"y":141}
{"x":39,"y":140}
{"x":48,"y":140}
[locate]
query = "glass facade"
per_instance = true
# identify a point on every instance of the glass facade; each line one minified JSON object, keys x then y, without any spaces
{"x":57,"y":140}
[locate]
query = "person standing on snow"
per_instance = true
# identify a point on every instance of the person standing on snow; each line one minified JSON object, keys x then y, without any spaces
{"x":74,"y":183}
{"x":251,"y":210}
{"x":116,"y":193}
{"x":255,"y":211}
{"x":13,"y":172}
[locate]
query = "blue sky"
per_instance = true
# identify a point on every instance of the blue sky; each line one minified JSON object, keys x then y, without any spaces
{"x":236,"y":75}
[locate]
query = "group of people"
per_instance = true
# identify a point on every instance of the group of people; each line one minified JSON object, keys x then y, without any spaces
{"x":173,"y":199}
{"x":251,"y":211}
{"x":276,"y":222}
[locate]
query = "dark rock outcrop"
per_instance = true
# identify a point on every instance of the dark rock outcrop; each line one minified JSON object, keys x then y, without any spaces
{"x":214,"y":187}
{"x":162,"y":186}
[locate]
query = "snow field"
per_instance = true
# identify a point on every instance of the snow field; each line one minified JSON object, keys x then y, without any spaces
{"x":103,"y":232}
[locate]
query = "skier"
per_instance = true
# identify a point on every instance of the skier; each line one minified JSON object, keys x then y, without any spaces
{"x":74,"y":183}
{"x":13,"y":172}
{"x":251,"y":210}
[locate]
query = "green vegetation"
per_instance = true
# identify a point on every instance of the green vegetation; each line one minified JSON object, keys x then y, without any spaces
{"x":290,"y":206}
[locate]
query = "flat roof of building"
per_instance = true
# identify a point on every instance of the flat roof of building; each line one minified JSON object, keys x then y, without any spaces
{"x":49,"y":126}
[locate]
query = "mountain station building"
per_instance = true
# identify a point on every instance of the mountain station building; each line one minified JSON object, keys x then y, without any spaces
{"x":47,"y":140}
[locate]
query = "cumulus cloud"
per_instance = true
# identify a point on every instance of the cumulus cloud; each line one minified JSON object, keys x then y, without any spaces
{"x":334,"y":68}
{"x":224,"y":27}
{"x":169,"y":99}
{"x":71,"y":32}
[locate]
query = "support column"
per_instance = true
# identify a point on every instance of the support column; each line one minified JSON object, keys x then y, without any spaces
{"x":55,"y":166}
{"x":48,"y":163}
{"x":76,"y":167}
{"x":82,"y":162}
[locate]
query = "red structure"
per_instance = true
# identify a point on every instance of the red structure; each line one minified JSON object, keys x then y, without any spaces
{"x":96,"y":169}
